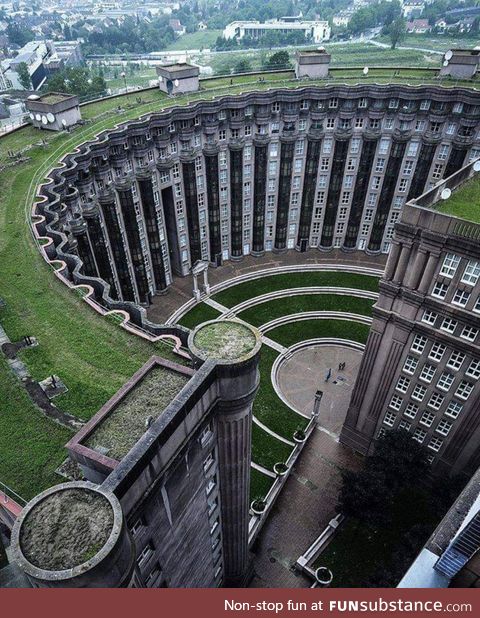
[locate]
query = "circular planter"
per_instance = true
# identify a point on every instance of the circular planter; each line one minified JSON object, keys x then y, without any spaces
{"x":280,"y":468}
{"x":299,"y":436}
{"x":323,"y":576}
{"x":257,"y":507}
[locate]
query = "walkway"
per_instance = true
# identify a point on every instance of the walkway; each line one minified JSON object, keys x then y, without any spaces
{"x":303,"y":509}
{"x":181,"y":289}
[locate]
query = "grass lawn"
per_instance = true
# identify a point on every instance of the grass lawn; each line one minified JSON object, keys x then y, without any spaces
{"x":356,"y":553}
{"x":268,"y":407}
{"x":31,"y":446}
{"x":464,"y":202}
{"x":259,"y":484}
{"x":433,"y":41}
{"x":272,"y":309}
{"x":200,"y":313}
{"x":289,"y":334}
{"x":195,"y":40}
{"x":267,"y":450}
{"x":243,"y":291}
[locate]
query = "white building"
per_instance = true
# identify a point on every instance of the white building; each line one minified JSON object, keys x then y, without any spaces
{"x":318,"y":31}
{"x":412,"y":8}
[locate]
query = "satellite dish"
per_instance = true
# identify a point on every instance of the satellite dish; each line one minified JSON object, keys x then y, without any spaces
{"x":445,"y":63}
{"x":64,"y":122}
{"x":32,"y":116}
{"x":50,"y":117}
{"x":38,"y":117}
{"x":448,"y":55}
{"x":160,"y":78}
{"x":44,"y":120}
{"x":445,"y":194}
{"x":365,"y":71}
{"x":476,"y":166}
{"x":176,"y":82}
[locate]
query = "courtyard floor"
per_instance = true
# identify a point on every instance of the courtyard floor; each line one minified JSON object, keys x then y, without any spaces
{"x":181,"y":289}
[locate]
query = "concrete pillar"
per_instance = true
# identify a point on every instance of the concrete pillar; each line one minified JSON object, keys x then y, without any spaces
{"x":196,"y":291}
{"x":235,"y":348}
{"x":392,"y":261}
{"x":402,"y":264}
{"x":205,"y":281}
{"x":415,"y":273}
{"x":316,"y":405}
{"x":428,"y":273}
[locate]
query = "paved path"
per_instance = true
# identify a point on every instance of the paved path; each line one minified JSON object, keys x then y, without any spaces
{"x":181,"y":289}
{"x":303,"y":509}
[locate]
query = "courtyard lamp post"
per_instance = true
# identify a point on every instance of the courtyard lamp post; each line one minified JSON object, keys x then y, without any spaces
{"x":124,"y":76}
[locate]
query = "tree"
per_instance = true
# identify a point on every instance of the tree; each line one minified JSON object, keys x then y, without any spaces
{"x":76,"y":80}
{"x":278,"y":60}
{"x":397,"y":31}
{"x":392,"y":478}
{"x":24,"y":76}
{"x":242,"y":66}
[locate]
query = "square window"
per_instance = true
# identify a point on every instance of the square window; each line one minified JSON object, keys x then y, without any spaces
{"x":427,"y":373}
{"x":473,"y":370}
{"x":418,"y":344}
{"x":463,"y":390}
{"x":440,"y":290}
{"x":427,"y":418}
{"x":436,"y":401}
{"x":445,"y":381}
{"x":444,"y":427}
{"x":396,"y":402}
{"x":448,"y":325}
{"x":419,"y":392}
{"x":419,"y":435}
{"x":435,"y":444}
{"x":410,"y":364}
{"x":460,"y":298}
{"x":411,"y":410}
{"x":403,"y":384}
{"x":471,"y":273}
{"x":454,"y":409}
{"x":456,"y":360}
{"x":437,"y":351}
{"x":429,"y":317}
{"x":389,"y":419}
{"x":469,"y":332}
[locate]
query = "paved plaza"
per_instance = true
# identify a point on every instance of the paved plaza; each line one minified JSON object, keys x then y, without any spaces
{"x":308,"y":499}
{"x":181,"y":289}
{"x":305,"y":372}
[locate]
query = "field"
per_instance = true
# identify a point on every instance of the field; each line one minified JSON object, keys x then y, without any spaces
{"x":195,"y":40}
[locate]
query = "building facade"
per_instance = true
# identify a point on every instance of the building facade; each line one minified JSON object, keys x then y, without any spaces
{"x":421,"y":367}
{"x":317,"y":31}
{"x":171,"y":454}
{"x":317,"y":168}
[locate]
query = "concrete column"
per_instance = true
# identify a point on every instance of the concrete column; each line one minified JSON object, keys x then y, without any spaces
{"x":235,"y":348}
{"x":316,"y":405}
{"x":196,"y":291}
{"x":415,"y":273}
{"x":392,"y":261}
{"x":428,"y":273}
{"x":205,"y":281}
{"x":402,"y":264}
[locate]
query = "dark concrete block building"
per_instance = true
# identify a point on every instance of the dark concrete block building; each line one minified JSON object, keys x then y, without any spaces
{"x":54,"y":111}
{"x":167,"y":461}
{"x":421,"y":367}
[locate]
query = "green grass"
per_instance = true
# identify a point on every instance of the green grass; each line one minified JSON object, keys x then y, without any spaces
{"x":200,"y":313}
{"x":195,"y":40}
{"x":357,"y":553}
{"x":267,"y":450}
{"x":268,"y":407}
{"x":243,"y":291}
{"x":31,"y":446}
{"x":279,"y":307}
{"x":289,"y":334}
{"x":433,"y":41}
{"x":259,"y":484}
{"x":464,"y":202}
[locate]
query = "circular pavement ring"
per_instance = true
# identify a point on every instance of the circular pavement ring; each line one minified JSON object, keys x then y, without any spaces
{"x":302,"y":370}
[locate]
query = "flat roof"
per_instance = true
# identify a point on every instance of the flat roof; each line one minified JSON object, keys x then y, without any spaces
{"x":125,"y":417}
{"x":464,"y":201}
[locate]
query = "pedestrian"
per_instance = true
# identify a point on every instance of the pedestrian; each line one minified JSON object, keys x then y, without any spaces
{"x":329,"y":375}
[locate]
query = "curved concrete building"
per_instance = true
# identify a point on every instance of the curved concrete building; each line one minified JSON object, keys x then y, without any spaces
{"x":287,"y":169}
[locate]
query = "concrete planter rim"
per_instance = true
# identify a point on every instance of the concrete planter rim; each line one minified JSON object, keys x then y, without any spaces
{"x":255,"y":510}
{"x":325,"y":570}
{"x":281,"y":472}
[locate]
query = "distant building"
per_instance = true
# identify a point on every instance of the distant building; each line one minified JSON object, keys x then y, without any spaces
{"x":314,"y":64}
{"x":342,"y":19}
{"x":177,"y":27}
{"x":54,"y":111}
{"x":418,"y":26}
{"x":317,"y":31}
{"x":461,"y":63}
{"x":412,"y":8}
{"x":178,"y":78}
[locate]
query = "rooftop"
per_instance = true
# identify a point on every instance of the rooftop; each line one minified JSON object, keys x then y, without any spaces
{"x":225,"y":340}
{"x":464,"y":201}
{"x":116,"y":433}
{"x":54,"y":97}
{"x":65,"y":529}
